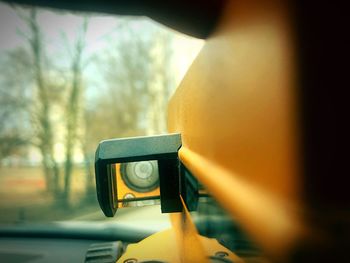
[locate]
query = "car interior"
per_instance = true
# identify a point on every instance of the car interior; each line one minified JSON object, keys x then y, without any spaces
{"x":233,"y":153}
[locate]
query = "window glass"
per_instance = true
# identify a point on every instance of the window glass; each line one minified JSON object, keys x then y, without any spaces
{"x":68,"y":81}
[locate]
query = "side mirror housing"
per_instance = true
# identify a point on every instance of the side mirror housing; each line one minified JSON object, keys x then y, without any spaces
{"x":162,"y":148}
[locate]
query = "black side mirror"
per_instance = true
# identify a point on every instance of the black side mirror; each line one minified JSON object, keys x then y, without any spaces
{"x":143,"y":163}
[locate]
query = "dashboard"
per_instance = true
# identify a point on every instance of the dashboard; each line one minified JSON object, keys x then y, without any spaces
{"x":66,"y":242}
{"x":40,"y":250}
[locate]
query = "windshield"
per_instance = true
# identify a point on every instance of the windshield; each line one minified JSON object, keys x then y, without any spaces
{"x":68,"y":81}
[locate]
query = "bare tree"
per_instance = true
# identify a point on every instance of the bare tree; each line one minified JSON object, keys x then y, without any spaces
{"x":164,"y":83}
{"x":14,"y":101}
{"x":42,"y":113}
{"x":136,"y":69}
{"x":129,"y":71}
{"x":137,"y":85}
{"x":72,"y":108}
{"x":119,"y":108}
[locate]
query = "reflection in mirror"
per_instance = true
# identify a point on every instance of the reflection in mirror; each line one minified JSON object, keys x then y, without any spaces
{"x":136,"y":183}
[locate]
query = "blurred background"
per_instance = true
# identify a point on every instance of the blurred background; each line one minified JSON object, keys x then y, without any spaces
{"x":68,"y":81}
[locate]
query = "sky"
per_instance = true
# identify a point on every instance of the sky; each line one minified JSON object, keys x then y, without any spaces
{"x":56,"y":24}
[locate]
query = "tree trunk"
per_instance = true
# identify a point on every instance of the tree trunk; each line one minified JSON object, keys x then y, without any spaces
{"x":46,"y":138}
{"x":73,"y":112}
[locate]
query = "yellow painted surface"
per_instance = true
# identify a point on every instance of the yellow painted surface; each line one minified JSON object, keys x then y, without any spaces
{"x":181,"y":243}
{"x":159,"y":246}
{"x":236,"y":112}
{"x":163,"y":246}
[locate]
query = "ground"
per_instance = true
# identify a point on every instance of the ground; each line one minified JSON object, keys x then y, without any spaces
{"x":23,"y":198}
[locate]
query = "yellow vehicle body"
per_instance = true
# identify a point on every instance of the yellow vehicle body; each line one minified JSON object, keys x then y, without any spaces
{"x":238,"y":110}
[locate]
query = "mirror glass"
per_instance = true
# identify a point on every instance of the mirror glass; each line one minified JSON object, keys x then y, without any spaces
{"x":136,"y":183}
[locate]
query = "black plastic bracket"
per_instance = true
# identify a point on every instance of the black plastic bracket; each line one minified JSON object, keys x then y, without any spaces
{"x":189,"y":188}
